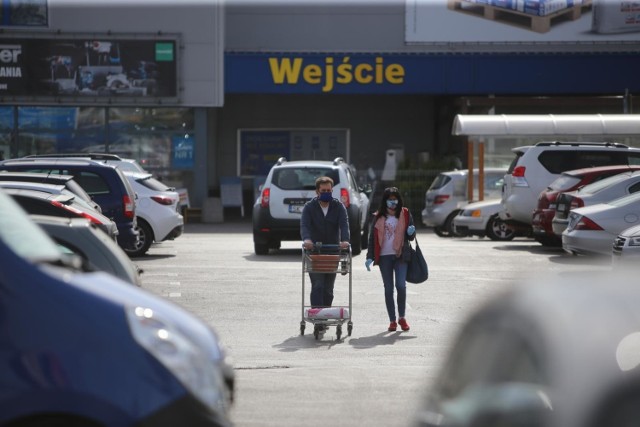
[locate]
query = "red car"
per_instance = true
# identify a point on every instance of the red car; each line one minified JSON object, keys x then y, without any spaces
{"x":568,"y":181}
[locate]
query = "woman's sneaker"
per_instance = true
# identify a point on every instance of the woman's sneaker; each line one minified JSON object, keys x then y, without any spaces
{"x":392,"y":326}
{"x":403,"y":324}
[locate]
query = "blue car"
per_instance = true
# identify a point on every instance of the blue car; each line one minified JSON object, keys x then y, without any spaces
{"x":87,"y":349}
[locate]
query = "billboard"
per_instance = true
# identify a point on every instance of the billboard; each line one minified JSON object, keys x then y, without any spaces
{"x":521,"y":21}
{"x":96,"y":70}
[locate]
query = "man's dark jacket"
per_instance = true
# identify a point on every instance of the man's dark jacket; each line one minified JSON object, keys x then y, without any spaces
{"x":330,"y":229}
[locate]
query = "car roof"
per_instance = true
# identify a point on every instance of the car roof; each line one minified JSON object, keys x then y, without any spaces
{"x":57,"y":161}
{"x":476,"y":171}
{"x":601,"y":169}
{"x":92,"y":156}
{"x":36,"y":175}
{"x":62,"y":198}
{"x":337,"y":162}
{"x":38,"y":186}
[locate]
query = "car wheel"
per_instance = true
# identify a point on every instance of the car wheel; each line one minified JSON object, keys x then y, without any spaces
{"x":440,"y":232}
{"x":145,"y":238}
{"x":498,"y":230}
{"x":448,"y":227}
{"x":261,"y":248}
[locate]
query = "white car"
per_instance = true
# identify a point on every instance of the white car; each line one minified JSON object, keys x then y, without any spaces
{"x":537,"y":166}
{"x":291,"y":184}
{"x":482,"y":219}
{"x":447,"y":195}
{"x":626,"y":247}
{"x":606,"y":189}
{"x":593,"y":229}
{"x":157,"y":212}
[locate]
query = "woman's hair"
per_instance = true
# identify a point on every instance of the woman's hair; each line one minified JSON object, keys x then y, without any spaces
{"x":390,"y":191}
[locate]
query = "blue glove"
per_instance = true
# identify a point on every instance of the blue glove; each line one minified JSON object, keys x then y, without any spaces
{"x":368,"y":263}
{"x":410,"y":230}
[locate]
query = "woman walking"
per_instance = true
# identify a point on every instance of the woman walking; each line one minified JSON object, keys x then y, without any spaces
{"x":392,"y":225}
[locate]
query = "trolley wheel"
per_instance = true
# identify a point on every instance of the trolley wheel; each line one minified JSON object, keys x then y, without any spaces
{"x":338,"y":332}
{"x":317,"y":329}
{"x":349,"y":328}
{"x":302,"y":328}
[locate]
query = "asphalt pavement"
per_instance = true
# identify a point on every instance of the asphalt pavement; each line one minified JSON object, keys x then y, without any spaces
{"x":373,"y":377}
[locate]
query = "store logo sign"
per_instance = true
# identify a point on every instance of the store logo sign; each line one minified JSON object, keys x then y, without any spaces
{"x":340,"y":71}
{"x":164,"y":52}
{"x":9,"y":60}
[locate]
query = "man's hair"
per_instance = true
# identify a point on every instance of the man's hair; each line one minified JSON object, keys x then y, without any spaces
{"x":323,"y":180}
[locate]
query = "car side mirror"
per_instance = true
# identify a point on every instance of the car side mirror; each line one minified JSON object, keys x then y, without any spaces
{"x":367,"y":189}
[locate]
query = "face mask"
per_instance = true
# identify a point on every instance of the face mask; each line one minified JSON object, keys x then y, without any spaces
{"x":391,"y":204}
{"x":325,"y":197}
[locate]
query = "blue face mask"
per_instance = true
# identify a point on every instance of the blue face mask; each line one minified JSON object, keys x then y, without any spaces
{"x":391,"y":204}
{"x":325,"y":197}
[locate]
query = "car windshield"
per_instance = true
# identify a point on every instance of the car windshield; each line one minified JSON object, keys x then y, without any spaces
{"x":603,"y":183}
{"x":439,"y":182}
{"x":302,"y":178}
{"x":22,"y":235}
{"x":564,"y":182}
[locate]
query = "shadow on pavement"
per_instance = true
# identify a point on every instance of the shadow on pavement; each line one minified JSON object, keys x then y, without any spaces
{"x":383,"y":338}
{"x":301,"y":342}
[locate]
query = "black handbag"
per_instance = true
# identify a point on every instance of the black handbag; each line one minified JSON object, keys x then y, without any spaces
{"x":417,"y":269}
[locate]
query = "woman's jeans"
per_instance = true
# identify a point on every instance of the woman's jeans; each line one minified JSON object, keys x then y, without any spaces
{"x":322,"y":289}
{"x":390,"y":264}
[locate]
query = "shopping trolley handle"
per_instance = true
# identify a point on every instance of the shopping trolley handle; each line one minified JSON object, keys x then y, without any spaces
{"x":327,"y":247}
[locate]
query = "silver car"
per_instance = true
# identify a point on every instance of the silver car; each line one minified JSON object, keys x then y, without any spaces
{"x":447,"y":195}
{"x":79,"y":236}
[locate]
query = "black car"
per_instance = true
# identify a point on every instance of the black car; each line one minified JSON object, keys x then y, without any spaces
{"x":47,"y":178}
{"x":106,"y":185}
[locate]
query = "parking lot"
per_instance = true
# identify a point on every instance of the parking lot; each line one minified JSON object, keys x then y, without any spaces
{"x":373,"y":377}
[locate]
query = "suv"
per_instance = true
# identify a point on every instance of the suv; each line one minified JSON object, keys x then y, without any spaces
{"x":289,"y":185}
{"x":125,"y":165}
{"x":447,"y":195}
{"x":536,"y":166}
{"x":106,"y":185}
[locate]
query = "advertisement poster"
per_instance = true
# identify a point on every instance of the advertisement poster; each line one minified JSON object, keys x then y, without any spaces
{"x":521,"y":21}
{"x":183,"y":152}
{"x":261,"y":149}
{"x":91,"y":70}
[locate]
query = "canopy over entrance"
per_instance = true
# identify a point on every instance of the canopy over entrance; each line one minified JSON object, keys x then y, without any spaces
{"x":549,"y":126}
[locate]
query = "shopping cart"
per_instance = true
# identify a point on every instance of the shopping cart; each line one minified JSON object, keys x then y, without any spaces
{"x":326,"y":259}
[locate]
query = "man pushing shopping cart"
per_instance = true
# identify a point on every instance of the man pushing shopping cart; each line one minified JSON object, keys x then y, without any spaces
{"x":324,"y":227}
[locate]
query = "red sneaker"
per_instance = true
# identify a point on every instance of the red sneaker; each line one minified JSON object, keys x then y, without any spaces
{"x":403,"y":324}
{"x":392,"y":326}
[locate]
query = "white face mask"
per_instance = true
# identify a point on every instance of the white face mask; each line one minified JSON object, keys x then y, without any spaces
{"x":392,"y":204}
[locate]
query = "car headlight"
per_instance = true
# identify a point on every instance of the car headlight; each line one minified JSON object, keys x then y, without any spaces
{"x":634,"y":241}
{"x":181,"y":356}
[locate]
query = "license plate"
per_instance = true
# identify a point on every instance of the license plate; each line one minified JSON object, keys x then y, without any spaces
{"x":295,"y":208}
